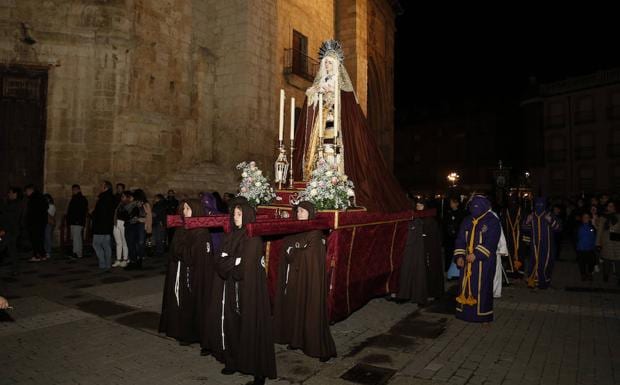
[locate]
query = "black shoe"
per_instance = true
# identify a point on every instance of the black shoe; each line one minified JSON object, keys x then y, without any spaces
{"x":324,"y":359}
{"x":204,"y":352}
{"x":184,"y":343}
{"x":289,"y":347}
{"x":139,"y":264}
{"x":130,"y":266}
{"x":227,"y":371}
{"x":258,"y":381}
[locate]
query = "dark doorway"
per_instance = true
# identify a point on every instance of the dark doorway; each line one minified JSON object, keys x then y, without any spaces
{"x":22,"y":126}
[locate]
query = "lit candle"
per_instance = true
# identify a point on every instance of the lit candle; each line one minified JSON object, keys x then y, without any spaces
{"x":320,"y":115}
{"x":281,"y":122}
{"x":292,"y":118}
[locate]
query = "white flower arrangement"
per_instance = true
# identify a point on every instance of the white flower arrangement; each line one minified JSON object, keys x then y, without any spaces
{"x":254,"y":186}
{"x":328,"y":189}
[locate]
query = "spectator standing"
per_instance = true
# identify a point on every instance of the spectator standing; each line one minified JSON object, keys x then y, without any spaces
{"x":103,"y":225}
{"x":76,"y":218}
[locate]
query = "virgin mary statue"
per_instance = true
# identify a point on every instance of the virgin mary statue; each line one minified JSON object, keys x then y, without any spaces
{"x":332,"y":125}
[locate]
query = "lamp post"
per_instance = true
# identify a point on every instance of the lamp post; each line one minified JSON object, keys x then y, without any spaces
{"x":453,"y":178}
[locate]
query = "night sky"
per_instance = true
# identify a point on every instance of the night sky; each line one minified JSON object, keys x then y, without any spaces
{"x":449,"y":56}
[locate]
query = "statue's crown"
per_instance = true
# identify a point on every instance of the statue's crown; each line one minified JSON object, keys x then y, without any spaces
{"x":331,"y":47}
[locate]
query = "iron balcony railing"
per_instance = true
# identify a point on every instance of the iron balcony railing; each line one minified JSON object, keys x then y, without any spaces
{"x":300,"y":64}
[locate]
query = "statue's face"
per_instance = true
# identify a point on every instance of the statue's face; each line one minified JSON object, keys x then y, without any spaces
{"x":329,"y":65}
{"x":238,"y":217}
{"x":187,"y":211}
{"x":302,"y":214}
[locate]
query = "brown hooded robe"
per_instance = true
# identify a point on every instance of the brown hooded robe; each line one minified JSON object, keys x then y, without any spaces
{"x":412,"y":285}
{"x":191,"y":259}
{"x":242,"y":334}
{"x":300,"y":303}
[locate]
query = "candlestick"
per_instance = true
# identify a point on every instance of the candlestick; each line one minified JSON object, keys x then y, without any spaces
{"x":321,"y":115}
{"x":336,"y":104}
{"x":292,"y":118}
{"x":281,"y":121}
{"x":290,"y":169}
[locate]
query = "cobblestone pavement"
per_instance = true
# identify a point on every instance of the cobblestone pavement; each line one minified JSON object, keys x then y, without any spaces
{"x":71,"y":325}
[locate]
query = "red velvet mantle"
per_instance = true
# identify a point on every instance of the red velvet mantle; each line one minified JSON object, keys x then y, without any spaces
{"x":376,"y":188}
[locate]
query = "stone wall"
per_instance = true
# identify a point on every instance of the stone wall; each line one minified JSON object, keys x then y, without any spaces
{"x":169,"y":93}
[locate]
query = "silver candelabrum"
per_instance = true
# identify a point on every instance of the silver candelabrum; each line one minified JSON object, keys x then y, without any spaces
{"x":282,"y":166}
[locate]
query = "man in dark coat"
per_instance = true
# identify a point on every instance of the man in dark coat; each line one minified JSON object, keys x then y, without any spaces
{"x":240,"y":307}
{"x":300,"y":304}
{"x":103,"y":225}
{"x":432,"y":252}
{"x":451,"y":222}
{"x":36,"y":221}
{"x":11,"y":217}
{"x":76,"y":218}
{"x":172,"y":208}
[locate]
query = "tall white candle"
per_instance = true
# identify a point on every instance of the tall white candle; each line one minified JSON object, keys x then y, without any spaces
{"x":281,"y":122}
{"x":320,"y":115}
{"x":336,"y":103}
{"x":292,"y":118}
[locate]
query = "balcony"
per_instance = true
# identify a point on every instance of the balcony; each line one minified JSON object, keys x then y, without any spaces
{"x":585,"y":153}
{"x":298,"y":63}
{"x":582,"y":117}
{"x":556,"y":156}
{"x":613,"y":150}
{"x":555,"y":121}
{"x":613,"y":112}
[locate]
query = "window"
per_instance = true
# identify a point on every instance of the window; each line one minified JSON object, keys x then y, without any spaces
{"x":613,"y":148}
{"x":557,"y":149}
{"x":584,"y":146}
{"x":613,"y":110}
{"x":616,"y":178}
{"x":584,"y":109}
{"x":555,"y":115}
{"x":558,"y":180}
{"x":586,"y":178}
{"x":296,"y":60}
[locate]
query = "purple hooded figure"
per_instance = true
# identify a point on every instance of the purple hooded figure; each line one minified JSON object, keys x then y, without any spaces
{"x":209,"y":203}
{"x":474,"y":254}
{"x":541,"y":226}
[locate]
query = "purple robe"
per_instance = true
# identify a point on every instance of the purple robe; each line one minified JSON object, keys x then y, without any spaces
{"x":484,"y":242}
{"x":209,"y":203}
{"x":541,"y":226}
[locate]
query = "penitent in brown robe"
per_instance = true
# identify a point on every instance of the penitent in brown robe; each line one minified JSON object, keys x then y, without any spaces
{"x":188,"y":281}
{"x":242,"y":336}
{"x":412,"y":285}
{"x":300,"y":307}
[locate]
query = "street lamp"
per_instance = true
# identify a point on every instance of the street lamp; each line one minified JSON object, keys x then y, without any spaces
{"x":453,"y":178}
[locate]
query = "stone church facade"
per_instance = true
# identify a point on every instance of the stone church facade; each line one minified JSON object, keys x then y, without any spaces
{"x":172,"y":93}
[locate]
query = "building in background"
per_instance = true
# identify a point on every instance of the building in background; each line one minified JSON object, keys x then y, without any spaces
{"x":581,"y":120}
{"x":172,"y":93}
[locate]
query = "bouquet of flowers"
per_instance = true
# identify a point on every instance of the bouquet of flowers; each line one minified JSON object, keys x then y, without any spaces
{"x":254,"y":186}
{"x":328,"y":189}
